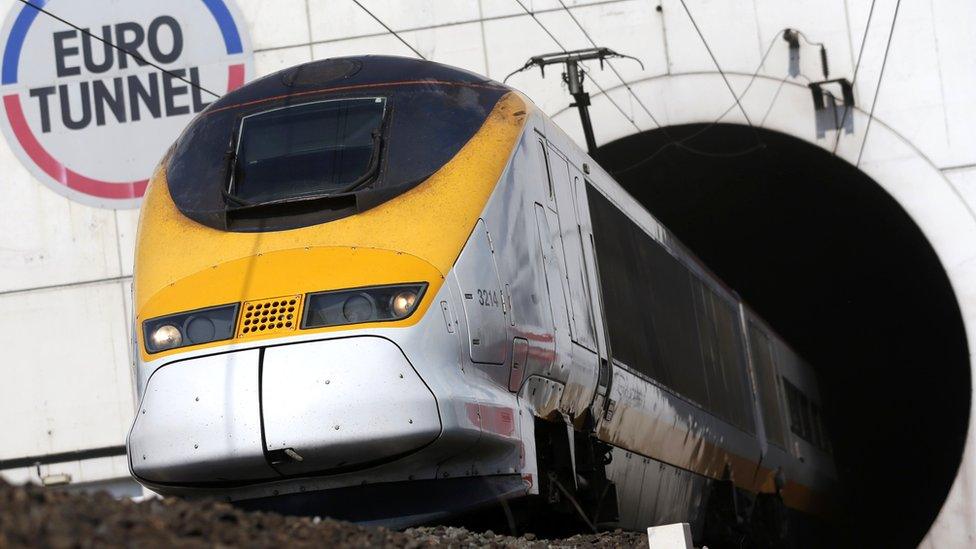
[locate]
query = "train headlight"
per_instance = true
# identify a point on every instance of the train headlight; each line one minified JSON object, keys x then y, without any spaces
{"x":190,"y":328}
{"x":166,"y":336}
{"x":375,"y":304}
{"x":403,"y":303}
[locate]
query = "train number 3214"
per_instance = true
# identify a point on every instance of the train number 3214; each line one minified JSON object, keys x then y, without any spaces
{"x":488,"y":298}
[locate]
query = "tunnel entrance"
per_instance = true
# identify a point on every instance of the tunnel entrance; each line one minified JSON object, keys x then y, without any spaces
{"x":836,"y":266}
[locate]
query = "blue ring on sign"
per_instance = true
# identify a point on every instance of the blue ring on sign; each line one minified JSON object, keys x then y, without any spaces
{"x":11,"y":53}
{"x":232,"y":38}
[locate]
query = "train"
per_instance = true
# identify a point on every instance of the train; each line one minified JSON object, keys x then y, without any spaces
{"x":391,"y":290}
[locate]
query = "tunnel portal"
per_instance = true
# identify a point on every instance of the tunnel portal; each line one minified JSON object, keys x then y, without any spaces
{"x":839,"y":268}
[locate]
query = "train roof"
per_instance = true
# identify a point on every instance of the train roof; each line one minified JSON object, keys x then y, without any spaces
{"x":350,"y":74}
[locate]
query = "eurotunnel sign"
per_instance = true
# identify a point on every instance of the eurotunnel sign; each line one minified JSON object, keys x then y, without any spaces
{"x":91,"y":122}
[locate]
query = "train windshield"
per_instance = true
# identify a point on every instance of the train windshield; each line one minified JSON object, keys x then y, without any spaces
{"x":325,"y":140}
{"x":315,"y":149}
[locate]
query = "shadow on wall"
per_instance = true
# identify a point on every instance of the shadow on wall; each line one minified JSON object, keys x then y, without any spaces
{"x":841,"y":271}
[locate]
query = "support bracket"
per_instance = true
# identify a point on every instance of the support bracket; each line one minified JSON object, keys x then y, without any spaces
{"x":818,"y":90}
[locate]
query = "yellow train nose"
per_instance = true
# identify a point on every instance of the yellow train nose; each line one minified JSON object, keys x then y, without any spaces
{"x":279,"y":282}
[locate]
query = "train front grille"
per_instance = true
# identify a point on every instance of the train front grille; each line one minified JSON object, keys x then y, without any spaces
{"x":271,"y":315}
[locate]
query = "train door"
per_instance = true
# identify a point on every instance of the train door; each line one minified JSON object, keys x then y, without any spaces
{"x":582,"y":327}
{"x":592,"y":274}
{"x":554,"y":283}
{"x":558,"y":287}
{"x":582,"y":379}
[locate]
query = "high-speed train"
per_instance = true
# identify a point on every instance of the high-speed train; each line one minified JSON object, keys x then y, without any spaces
{"x":387,"y":289}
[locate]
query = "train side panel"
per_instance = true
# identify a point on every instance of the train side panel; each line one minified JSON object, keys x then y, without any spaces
{"x":648,"y":417}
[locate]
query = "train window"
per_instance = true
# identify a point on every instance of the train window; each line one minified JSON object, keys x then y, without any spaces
{"x":669,"y":286}
{"x":660,"y":322}
{"x":725,"y":366}
{"x":328,"y":147}
{"x":805,"y":418}
{"x":794,"y":403}
{"x":766,"y":377}
{"x":816,"y":423}
{"x":634,"y":336}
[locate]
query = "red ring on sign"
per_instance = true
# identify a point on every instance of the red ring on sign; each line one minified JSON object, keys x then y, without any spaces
{"x":70,"y":178}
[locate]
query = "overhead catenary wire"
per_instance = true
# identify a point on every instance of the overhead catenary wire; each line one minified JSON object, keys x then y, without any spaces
{"x":718,"y":66}
{"x":389,"y":30}
{"x":677,"y":142}
{"x":877,"y":89}
{"x":531,"y":14}
{"x":603,"y":91}
{"x":752,"y":80}
{"x":680,"y":143}
{"x":132,"y":54}
{"x":612,"y":67}
{"x":857,"y":67}
{"x":545,"y":29}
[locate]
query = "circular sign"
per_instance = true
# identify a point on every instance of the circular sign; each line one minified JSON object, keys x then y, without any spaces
{"x":91,"y":121}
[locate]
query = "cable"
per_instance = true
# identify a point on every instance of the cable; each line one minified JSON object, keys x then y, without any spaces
{"x":877,"y":90}
{"x":612,"y":68}
{"x":806,"y":39}
{"x":586,"y":69}
{"x":617,"y":73}
{"x":543,"y":27}
{"x":698,"y":152}
{"x":720,"y":71}
{"x":857,"y":67}
{"x":614,"y":103}
{"x":108,"y":43}
{"x":680,"y":143}
{"x":752,"y":80}
{"x":388,"y":29}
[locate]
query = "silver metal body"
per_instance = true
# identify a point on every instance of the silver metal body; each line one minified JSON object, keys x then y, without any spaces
{"x":516,"y":332}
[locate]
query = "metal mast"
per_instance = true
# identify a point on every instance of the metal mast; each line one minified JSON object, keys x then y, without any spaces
{"x":573,"y":77}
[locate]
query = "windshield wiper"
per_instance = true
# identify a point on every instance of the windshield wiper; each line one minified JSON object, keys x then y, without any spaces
{"x":371,"y":171}
{"x":372,"y":168}
{"x":231,"y":165}
{"x":231,"y":197}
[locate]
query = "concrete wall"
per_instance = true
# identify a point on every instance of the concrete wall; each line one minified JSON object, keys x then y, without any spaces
{"x":65,"y":268}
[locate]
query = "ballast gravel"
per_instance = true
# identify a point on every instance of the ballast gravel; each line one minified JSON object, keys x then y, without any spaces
{"x":32,"y":516}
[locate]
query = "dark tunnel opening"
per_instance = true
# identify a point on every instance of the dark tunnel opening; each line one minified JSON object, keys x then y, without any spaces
{"x":843,"y":273}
